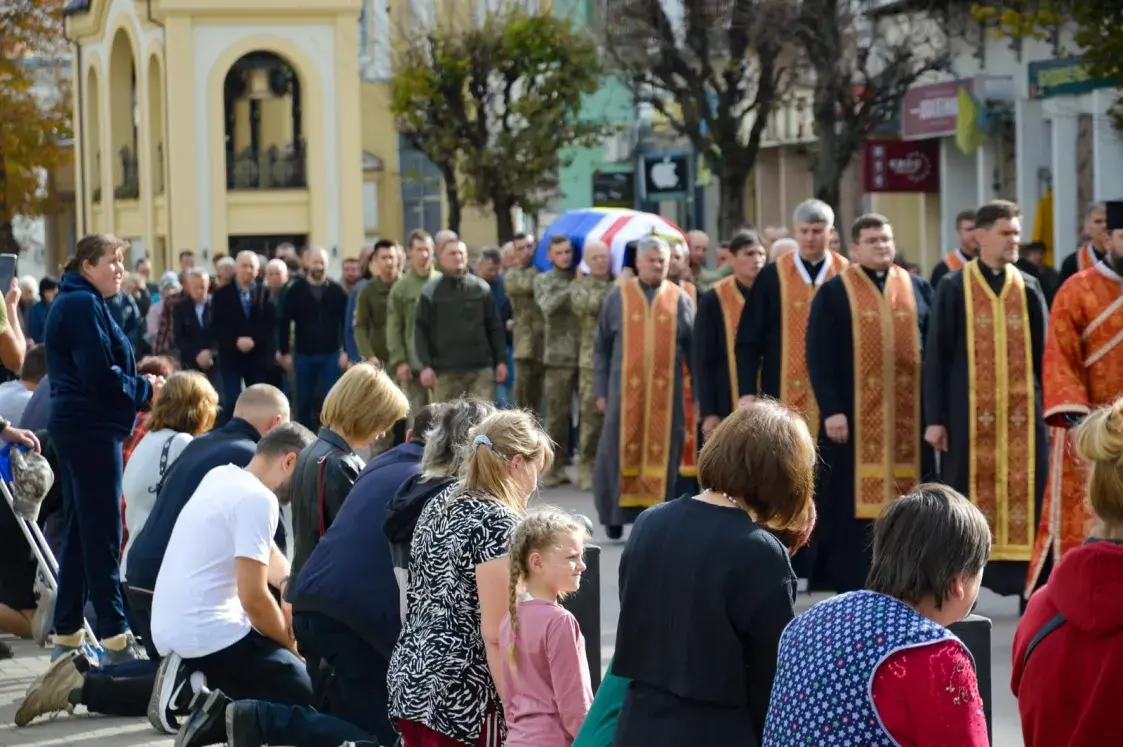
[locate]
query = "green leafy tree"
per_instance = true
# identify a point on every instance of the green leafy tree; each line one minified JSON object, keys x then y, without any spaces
{"x":495,"y":105}
{"x":34,"y":109}
{"x":715,"y":73}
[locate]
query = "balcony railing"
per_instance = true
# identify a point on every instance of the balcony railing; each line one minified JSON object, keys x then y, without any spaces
{"x":271,"y":168}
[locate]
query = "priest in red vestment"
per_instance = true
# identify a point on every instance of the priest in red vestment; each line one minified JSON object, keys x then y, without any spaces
{"x":1083,"y":370}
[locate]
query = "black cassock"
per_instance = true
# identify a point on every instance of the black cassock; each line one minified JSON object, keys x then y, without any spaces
{"x":840,"y":551}
{"x":946,"y":398}
{"x":711,"y":356}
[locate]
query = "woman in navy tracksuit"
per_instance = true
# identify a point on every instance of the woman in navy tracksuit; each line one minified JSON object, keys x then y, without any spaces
{"x":95,"y":395}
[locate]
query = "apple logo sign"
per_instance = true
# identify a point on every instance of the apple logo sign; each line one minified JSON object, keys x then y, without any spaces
{"x":664,"y":175}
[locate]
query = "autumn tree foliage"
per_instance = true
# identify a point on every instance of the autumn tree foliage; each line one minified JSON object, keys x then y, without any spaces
{"x":34,"y":108}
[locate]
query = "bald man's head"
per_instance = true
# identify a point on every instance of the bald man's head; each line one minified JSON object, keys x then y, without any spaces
{"x":699,"y":244}
{"x":263,"y":406}
{"x":442,"y":237}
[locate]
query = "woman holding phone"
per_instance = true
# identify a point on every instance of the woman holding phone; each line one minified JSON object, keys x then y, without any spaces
{"x":95,"y":395}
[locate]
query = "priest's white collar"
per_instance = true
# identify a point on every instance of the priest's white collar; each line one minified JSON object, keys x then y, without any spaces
{"x":1104,"y":269}
{"x":827,"y":259}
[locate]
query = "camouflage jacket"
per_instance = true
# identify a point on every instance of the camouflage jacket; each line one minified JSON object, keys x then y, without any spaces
{"x":705,"y":277}
{"x":552,"y":294}
{"x":529,"y":325}
{"x":586,"y":297}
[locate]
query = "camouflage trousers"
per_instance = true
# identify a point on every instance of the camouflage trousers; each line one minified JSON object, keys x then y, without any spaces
{"x":592,"y":422}
{"x":528,"y":384}
{"x":560,"y":383}
{"x":452,"y":384}
{"x":417,"y":395}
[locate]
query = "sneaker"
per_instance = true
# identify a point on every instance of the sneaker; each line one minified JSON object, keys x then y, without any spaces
{"x":208,"y":716}
{"x":122,"y":648}
{"x":51,"y":692}
{"x":67,"y":644}
{"x":44,"y":610}
{"x":171,"y":695}
{"x":241,"y":725}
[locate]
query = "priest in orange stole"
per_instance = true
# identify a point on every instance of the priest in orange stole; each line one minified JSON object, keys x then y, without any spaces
{"x":715,"y":331}
{"x":1083,"y":371}
{"x":982,"y":391}
{"x":864,"y":354}
{"x":771,"y":338}
{"x":643,"y":342}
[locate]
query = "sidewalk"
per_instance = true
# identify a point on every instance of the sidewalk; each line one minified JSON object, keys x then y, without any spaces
{"x":78,"y":730}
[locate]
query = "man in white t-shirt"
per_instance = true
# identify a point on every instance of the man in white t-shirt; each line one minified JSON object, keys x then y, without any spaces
{"x":212,"y":610}
{"x":14,"y":395}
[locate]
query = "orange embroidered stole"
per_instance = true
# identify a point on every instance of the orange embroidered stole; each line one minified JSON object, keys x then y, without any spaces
{"x":1000,"y":411}
{"x":796,"y":295}
{"x":954,"y":261}
{"x":688,"y":465}
{"x":886,"y":428}
{"x":649,"y":335}
{"x":732,"y":304}
{"x":1083,"y":370}
{"x":1085,"y":258}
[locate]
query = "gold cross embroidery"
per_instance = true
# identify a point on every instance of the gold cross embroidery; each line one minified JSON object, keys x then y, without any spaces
{"x":1014,"y":321}
{"x":986,"y":419}
{"x":1018,"y":419}
{"x":984,"y":320}
{"x":799,"y":304}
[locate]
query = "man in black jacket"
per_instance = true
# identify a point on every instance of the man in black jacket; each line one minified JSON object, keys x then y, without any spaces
{"x":317,"y":306}
{"x":243,"y":320}
{"x":192,"y":324}
{"x":458,"y":336}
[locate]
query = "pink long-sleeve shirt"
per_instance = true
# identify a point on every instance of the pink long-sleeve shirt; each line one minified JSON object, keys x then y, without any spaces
{"x":546,"y":696}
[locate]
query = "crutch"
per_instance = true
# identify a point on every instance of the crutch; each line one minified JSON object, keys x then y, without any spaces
{"x":48,"y":565}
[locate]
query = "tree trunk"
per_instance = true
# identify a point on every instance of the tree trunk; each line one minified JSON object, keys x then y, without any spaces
{"x":731,"y":215}
{"x":452,"y":197}
{"x":827,"y":173}
{"x":504,"y":221}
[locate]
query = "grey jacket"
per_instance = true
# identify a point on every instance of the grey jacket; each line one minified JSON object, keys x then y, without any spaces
{"x":329,"y":456}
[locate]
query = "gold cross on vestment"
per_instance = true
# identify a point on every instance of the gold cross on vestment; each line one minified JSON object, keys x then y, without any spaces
{"x":986,"y":419}
{"x":799,"y":305}
{"x":1014,"y":321}
{"x":984,"y":320}
{"x":1018,"y":418}
{"x":870,"y":314}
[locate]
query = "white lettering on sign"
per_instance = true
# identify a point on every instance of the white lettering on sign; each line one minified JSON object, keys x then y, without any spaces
{"x":939,"y":108}
{"x":915,"y":166}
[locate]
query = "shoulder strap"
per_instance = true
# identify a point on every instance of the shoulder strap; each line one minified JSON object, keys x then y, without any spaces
{"x":1043,"y":631}
{"x":155,"y":490}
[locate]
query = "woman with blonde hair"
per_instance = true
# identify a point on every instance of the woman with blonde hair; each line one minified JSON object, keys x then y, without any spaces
{"x":187,"y":407}
{"x":362,"y":405}
{"x":706,"y":586}
{"x":446,"y":666}
{"x":1068,"y":648}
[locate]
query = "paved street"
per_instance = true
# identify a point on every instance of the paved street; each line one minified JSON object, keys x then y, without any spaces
{"x":83,"y":730}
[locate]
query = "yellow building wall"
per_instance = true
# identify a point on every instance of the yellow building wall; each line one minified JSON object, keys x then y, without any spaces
{"x":380,"y":138}
{"x":916,"y":224}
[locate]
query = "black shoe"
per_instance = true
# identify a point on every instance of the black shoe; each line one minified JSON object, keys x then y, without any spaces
{"x":171,"y":695}
{"x":5,"y":651}
{"x":614,"y":531}
{"x":207,"y":719}
{"x":241,"y":725}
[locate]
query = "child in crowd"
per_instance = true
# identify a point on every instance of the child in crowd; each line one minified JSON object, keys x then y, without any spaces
{"x":880,"y":667}
{"x":546,"y":688}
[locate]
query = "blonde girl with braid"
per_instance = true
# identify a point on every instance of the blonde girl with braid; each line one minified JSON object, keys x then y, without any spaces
{"x":546,"y":689}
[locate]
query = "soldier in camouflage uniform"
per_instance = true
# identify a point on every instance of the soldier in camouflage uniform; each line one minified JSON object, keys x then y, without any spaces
{"x":529,"y":326}
{"x":551,"y":292}
{"x":586,"y":298}
{"x":401,"y":304}
{"x":701,"y":275}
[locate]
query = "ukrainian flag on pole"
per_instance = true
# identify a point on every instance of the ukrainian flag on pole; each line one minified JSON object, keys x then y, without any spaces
{"x":971,"y":121}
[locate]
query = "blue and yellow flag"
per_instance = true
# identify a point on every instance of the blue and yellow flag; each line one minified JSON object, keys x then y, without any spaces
{"x":971,"y":122}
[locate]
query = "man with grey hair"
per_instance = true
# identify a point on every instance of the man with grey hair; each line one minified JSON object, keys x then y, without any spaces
{"x":192,"y":325}
{"x":243,"y":321}
{"x":639,"y":389}
{"x":1097,"y":238}
{"x":771,"y":338}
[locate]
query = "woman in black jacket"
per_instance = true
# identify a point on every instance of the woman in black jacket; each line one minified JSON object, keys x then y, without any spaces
{"x":95,"y":395}
{"x":706,"y":587}
{"x":357,"y":411}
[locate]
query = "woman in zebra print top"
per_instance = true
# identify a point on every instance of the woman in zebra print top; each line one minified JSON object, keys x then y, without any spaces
{"x":446,"y":666}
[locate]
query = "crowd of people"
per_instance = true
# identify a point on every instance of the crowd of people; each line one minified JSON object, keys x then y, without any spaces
{"x":792,"y":412}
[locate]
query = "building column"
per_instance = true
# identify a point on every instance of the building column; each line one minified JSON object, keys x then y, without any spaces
{"x":1031,"y":141}
{"x":1107,"y":149}
{"x":78,"y":88}
{"x":1066,"y":226}
{"x":958,"y":189}
{"x":349,"y":134}
{"x":180,"y":148}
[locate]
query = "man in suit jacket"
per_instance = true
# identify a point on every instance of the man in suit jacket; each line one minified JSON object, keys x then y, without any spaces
{"x":244,"y":321}
{"x":192,"y":325}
